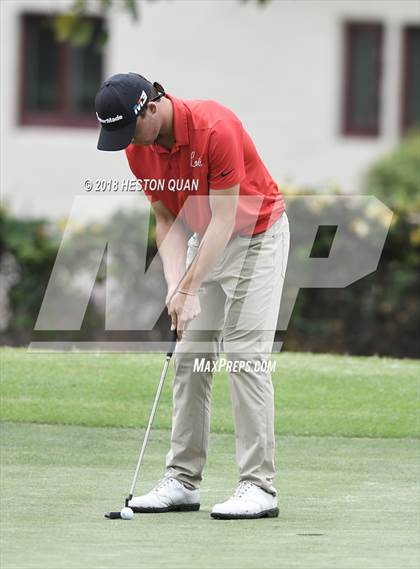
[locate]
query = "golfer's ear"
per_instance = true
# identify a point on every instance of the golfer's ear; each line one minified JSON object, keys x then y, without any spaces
{"x":152,"y":107}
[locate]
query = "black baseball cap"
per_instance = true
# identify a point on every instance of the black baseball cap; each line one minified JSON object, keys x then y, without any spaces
{"x":118,"y":104}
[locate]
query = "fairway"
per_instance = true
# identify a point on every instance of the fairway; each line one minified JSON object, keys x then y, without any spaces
{"x":314,"y":394}
{"x":348,"y":496}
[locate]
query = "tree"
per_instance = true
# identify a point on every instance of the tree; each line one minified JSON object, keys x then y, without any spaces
{"x":72,"y":25}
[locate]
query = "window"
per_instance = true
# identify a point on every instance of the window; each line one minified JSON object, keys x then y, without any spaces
{"x":410,"y":109}
{"x":362,"y":75}
{"x":58,"y":80}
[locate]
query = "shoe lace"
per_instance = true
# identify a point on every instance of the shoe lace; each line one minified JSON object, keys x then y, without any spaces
{"x":162,"y":483}
{"x":242,"y":489}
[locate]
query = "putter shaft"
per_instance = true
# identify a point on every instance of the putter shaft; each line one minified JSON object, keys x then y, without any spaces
{"x":152,"y":414}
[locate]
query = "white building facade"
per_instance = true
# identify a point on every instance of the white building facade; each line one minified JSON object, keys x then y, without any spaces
{"x":287,"y":68}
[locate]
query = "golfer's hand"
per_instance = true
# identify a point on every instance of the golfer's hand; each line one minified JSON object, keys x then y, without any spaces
{"x":169,"y":294}
{"x":182,"y":309}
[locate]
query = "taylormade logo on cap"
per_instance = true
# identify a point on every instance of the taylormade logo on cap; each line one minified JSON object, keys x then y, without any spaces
{"x":110,"y":119}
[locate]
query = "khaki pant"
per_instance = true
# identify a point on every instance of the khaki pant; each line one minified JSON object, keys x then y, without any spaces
{"x":240,"y":301}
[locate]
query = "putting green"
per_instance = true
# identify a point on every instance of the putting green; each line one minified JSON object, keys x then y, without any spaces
{"x":345,"y":503}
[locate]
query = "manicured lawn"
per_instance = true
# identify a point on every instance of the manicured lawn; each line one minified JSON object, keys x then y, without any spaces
{"x":315,"y":394}
{"x":348,"y":462}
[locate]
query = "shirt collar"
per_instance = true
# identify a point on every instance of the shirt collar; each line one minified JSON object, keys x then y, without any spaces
{"x":180,"y":123}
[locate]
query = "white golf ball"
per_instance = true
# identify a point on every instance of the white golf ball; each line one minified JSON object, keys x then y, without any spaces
{"x":127,"y":513}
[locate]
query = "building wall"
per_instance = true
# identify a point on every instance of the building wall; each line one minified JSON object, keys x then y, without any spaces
{"x":279,"y":67}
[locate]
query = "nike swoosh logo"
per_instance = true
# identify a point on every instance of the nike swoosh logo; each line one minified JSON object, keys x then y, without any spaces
{"x":223,"y":174}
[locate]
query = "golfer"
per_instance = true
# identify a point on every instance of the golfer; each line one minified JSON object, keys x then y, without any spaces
{"x":223,"y":237}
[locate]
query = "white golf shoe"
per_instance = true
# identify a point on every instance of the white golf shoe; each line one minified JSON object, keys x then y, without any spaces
{"x":169,"y":495}
{"x":248,"y":502}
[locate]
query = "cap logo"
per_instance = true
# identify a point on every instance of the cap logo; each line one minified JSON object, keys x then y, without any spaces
{"x":140,"y":103}
{"x":110,"y":119}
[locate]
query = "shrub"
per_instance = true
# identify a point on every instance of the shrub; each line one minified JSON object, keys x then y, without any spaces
{"x":380,"y":313}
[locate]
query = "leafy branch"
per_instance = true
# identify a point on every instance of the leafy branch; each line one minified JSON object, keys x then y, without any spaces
{"x":74,"y":25}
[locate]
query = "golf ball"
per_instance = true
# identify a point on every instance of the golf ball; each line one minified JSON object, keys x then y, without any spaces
{"x":127,"y":513}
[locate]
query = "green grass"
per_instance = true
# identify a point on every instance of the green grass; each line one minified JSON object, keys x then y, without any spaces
{"x":315,"y":394}
{"x":361,"y":495}
{"x":347,"y":458}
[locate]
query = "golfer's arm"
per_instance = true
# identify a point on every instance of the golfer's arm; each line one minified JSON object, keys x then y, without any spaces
{"x":173,"y":250}
{"x":223,"y":210}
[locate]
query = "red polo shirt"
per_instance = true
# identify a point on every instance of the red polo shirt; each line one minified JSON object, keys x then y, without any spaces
{"x":213,"y":151}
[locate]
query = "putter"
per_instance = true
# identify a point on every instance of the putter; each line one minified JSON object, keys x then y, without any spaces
{"x":117,"y":515}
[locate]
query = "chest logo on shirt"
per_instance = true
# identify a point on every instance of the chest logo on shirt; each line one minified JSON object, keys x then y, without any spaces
{"x":195,"y":162}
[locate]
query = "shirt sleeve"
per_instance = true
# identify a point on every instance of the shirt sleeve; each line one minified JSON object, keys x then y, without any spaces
{"x":226,"y":155}
{"x":152,"y":197}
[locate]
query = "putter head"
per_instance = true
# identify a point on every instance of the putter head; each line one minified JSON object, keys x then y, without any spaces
{"x":113,"y":515}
